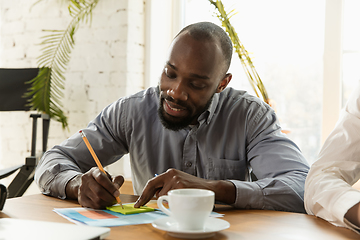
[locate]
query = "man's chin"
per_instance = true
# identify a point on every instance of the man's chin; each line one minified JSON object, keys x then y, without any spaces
{"x":173,"y":123}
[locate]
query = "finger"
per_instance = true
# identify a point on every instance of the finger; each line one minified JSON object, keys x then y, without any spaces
{"x":175,"y":182}
{"x":118,"y":181}
{"x":149,"y":191}
{"x":85,"y":201}
{"x":91,"y":190}
{"x":93,"y":201}
{"x":106,"y":183}
{"x":98,"y":202}
{"x":167,"y":187}
{"x":164,"y":190}
{"x":86,"y":197}
{"x":157,"y":194}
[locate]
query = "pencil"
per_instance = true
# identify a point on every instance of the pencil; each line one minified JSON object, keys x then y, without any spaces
{"x":87,"y":143}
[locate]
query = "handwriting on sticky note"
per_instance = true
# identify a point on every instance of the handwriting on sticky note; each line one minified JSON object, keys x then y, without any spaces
{"x":129,"y":209}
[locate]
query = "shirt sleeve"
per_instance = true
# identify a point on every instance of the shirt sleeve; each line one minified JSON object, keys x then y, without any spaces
{"x":276,"y":162}
{"x":63,"y":162}
{"x":328,"y":191}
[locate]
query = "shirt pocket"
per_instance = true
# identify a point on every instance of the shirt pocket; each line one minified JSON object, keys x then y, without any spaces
{"x":225,"y":169}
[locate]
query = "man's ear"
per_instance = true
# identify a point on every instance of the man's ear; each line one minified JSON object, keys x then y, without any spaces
{"x":224,"y":82}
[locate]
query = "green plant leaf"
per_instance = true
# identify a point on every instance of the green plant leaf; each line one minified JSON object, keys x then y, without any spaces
{"x":244,"y":57}
{"x":46,"y":91}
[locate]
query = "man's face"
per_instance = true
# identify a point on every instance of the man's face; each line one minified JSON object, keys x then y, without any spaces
{"x":190,"y":78}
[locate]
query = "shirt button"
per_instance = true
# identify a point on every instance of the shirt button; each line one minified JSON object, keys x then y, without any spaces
{"x":188,"y":164}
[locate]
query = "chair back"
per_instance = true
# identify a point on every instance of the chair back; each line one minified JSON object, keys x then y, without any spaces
{"x":13,"y":87}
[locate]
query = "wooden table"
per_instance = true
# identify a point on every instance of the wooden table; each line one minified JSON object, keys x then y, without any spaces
{"x":244,"y":224}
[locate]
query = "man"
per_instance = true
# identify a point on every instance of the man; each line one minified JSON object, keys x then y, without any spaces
{"x":328,"y":191}
{"x":190,"y":132}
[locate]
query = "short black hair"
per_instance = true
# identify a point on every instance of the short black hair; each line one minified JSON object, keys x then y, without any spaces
{"x":211,"y":31}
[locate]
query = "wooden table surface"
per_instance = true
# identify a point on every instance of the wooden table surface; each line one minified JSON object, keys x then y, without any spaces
{"x":244,"y":224}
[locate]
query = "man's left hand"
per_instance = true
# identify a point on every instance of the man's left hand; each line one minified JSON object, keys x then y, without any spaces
{"x":174,"y":179}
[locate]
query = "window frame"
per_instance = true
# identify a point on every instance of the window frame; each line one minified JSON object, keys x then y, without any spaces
{"x":332,"y":65}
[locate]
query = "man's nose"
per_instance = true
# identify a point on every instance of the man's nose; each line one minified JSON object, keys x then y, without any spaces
{"x":177,"y":91}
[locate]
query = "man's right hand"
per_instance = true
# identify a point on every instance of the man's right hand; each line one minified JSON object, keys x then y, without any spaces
{"x":94,"y":189}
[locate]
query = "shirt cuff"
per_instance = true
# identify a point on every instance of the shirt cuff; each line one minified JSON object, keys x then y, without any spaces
{"x":351,"y":226}
{"x":346,"y":201}
{"x":60,"y":182}
{"x":248,"y":195}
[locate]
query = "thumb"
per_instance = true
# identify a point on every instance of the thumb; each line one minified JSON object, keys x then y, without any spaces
{"x":118,"y":181}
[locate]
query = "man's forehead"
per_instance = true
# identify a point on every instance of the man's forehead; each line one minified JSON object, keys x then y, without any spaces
{"x":201,"y":54}
{"x":184,"y":43}
{"x":186,"y":36}
{"x":191,"y":74}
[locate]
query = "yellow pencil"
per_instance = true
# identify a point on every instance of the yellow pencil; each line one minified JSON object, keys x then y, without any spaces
{"x":96,"y":159}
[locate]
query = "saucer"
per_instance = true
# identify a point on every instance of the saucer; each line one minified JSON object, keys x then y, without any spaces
{"x":212,"y":225}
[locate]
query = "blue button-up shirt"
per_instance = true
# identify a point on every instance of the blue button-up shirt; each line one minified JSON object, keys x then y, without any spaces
{"x":237,"y":138}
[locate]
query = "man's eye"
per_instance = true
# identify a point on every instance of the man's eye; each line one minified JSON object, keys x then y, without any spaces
{"x":168,"y":74}
{"x":198,"y":86}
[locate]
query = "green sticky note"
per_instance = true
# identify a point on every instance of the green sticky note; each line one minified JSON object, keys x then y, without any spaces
{"x":129,"y":209}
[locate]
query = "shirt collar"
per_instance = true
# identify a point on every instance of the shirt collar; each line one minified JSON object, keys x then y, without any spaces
{"x":209,"y":113}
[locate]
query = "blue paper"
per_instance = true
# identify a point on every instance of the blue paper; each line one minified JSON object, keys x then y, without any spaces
{"x":106,"y":218}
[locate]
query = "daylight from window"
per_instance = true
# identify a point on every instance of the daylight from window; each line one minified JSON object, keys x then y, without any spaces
{"x":285,"y":40}
{"x":351,"y":48}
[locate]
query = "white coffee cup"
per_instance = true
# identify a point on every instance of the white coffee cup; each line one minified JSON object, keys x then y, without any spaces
{"x":189,"y":207}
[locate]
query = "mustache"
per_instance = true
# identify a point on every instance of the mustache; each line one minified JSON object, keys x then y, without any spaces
{"x":170,"y":99}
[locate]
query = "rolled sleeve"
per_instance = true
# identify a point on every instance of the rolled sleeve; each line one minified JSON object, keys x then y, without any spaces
{"x":248,"y":195}
{"x":278,"y":165}
{"x":71,"y":158}
{"x":53,"y":176}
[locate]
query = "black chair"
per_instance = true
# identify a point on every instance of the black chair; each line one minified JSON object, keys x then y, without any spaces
{"x":12,"y":89}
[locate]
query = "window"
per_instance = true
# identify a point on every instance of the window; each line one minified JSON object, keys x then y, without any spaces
{"x":285,"y":40}
{"x":350,"y":48}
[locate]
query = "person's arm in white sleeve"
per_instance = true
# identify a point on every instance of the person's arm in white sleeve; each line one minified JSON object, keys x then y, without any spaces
{"x":328,"y":190}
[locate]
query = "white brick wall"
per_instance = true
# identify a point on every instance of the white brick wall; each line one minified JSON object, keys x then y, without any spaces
{"x":100,"y":71}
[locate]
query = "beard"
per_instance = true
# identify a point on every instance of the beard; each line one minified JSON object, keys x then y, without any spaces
{"x":176,"y":124}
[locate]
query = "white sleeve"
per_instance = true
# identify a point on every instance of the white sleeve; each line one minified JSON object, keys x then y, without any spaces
{"x":328,"y":188}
